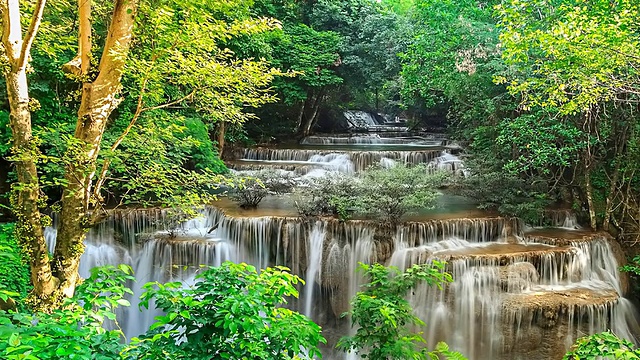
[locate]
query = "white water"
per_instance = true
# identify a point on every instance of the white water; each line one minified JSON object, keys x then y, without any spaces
{"x":360,"y":119}
{"x":491,"y":311}
{"x":344,"y":161}
{"x":314,"y":261}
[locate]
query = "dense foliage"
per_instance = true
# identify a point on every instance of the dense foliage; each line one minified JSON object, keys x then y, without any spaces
{"x":74,"y":330}
{"x":14,"y":271}
{"x":384,"y":317}
{"x":231,"y":312}
{"x":603,"y":345}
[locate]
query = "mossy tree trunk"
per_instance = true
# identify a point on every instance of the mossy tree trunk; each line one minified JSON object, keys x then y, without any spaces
{"x":58,"y":276}
{"x":26,"y":191}
{"x":99,"y":99}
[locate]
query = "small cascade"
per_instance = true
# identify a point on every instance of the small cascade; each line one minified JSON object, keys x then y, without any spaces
{"x":373,"y":139}
{"x":338,"y":160}
{"x":449,"y":163}
{"x":361,"y":119}
{"x":414,"y":234}
{"x":559,"y":218}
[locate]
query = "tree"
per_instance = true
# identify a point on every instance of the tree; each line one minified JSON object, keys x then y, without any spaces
{"x":372,"y":37}
{"x":53,"y":279}
{"x":580,"y":64}
{"x":383,"y":316}
{"x":451,"y":62}
{"x":173,"y":41}
{"x":313,"y":55}
{"x":26,"y":198}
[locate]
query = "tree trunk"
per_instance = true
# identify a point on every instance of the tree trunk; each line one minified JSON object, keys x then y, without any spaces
{"x":618,"y":158}
{"x":608,"y":212}
{"x":221,"y":133}
{"x":589,"y":192}
{"x":311,"y":120}
{"x":301,"y":115}
{"x":98,"y":101}
{"x":26,"y":192}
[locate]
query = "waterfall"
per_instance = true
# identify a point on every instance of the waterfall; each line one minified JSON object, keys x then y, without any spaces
{"x":332,"y":159}
{"x":374,"y":139}
{"x":360,"y":119}
{"x":518,"y":292}
{"x":314,"y":261}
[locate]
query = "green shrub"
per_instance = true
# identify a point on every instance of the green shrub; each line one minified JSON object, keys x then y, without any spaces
{"x":389,"y":194}
{"x":75,"y":331}
{"x":249,"y":191}
{"x":336,"y":195}
{"x":14,"y":270}
{"x":232,"y":312}
{"x":383,"y":315}
{"x":385,"y":195}
{"x":602,"y":346}
{"x":496,"y":189}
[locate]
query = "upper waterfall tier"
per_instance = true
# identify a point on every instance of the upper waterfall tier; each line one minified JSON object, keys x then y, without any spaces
{"x":304,"y":161}
{"x":424,"y":140}
{"x":360,"y":159}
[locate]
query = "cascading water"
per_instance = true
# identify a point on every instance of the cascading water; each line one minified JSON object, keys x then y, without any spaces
{"x":343,"y":161}
{"x":518,"y":292}
{"x":374,"y":139}
{"x":314,"y":256}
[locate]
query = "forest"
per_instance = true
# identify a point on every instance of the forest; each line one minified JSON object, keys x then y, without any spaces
{"x":501,"y":148}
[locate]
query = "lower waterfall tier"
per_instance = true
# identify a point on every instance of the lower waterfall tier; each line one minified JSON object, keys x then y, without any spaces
{"x":515,"y":295}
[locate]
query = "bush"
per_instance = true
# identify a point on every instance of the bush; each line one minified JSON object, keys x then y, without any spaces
{"x":76,"y":329}
{"x":390,"y":194}
{"x":232,"y":312}
{"x":496,"y":189}
{"x":337,"y":195}
{"x":385,"y":195}
{"x":602,"y":346}
{"x":249,"y":191}
{"x":14,"y":270}
{"x":384,"y":317}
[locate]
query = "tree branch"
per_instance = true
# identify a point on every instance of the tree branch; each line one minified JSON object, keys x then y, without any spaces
{"x":30,"y":36}
{"x":134,"y":119}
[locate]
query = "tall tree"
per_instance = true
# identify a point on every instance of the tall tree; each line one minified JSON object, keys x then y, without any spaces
{"x":26,"y":197}
{"x":579,"y":61}
{"x":179,"y":61}
{"x":99,"y":99}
